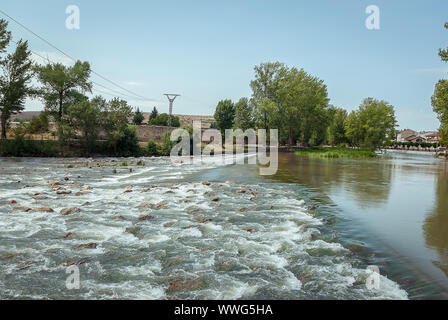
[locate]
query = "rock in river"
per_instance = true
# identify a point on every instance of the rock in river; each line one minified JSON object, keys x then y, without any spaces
{"x":25,"y":209}
{"x":90,"y":245}
{"x":181,"y":285}
{"x":161,"y":205}
{"x":66,"y":212}
{"x":43,"y":209}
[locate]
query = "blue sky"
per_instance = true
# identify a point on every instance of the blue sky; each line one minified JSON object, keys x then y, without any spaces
{"x":206,"y":50}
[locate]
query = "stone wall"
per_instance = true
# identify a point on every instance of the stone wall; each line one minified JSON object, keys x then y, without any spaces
{"x":155,"y":133}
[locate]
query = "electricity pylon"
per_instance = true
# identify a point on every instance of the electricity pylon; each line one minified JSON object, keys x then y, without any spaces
{"x":171,"y":98}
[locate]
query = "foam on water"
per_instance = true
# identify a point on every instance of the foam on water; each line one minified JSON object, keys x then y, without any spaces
{"x":263,"y":243}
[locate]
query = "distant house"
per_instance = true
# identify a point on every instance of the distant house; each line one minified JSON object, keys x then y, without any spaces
{"x":433,"y":137}
{"x":404,"y":135}
{"x":415,"y":138}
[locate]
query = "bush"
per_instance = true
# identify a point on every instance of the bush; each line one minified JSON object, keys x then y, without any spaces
{"x":162,"y":120}
{"x":38,"y":124}
{"x":151,"y":148}
{"x":167,"y":145}
{"x":20,"y":147}
{"x":127,"y":144}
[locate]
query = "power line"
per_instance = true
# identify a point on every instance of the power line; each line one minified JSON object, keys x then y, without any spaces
{"x":98,"y":84}
{"x":71,"y":58}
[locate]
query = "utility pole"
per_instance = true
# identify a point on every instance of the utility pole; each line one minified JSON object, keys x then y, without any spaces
{"x":171,"y":98}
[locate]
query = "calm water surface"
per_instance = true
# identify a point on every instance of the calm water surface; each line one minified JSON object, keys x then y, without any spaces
{"x":397,"y":205}
{"x":308,"y":232}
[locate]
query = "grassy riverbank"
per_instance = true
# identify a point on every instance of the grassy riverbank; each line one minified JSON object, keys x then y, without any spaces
{"x":334,"y":153}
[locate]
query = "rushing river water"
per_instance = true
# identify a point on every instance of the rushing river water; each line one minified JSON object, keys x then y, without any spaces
{"x":158,"y":232}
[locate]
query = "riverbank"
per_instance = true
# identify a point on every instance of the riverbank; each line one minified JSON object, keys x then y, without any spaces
{"x":332,"y":153}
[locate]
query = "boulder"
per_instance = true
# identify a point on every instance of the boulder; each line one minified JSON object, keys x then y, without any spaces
{"x":169,"y":224}
{"x":13,"y":202}
{"x":145,"y":205}
{"x":90,"y":245}
{"x":43,"y":209}
{"x":68,"y":235}
{"x":144,"y":218}
{"x":25,"y":209}
{"x":63,"y":192}
{"x":161,"y":205}
{"x":54,"y":184}
{"x":182,"y":285}
{"x":86,"y":188}
{"x":66,"y":212}
{"x":241,"y":191}
{"x":12,"y":256}
{"x":206,"y":183}
{"x":74,"y":262}
{"x":215,"y":199}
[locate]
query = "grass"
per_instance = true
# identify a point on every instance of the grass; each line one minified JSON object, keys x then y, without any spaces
{"x":335,"y":153}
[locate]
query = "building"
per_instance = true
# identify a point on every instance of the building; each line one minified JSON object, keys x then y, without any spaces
{"x":409,"y":135}
{"x":433,"y":137}
{"x":405,"y":134}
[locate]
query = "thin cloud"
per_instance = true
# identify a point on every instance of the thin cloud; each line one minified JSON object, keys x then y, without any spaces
{"x":134,"y":83}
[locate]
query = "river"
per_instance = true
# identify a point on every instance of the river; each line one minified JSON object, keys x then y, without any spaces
{"x":159,"y":232}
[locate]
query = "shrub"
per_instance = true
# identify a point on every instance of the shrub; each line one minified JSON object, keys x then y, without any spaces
{"x":167,"y":145}
{"x":163,"y":119}
{"x":151,"y":148}
{"x":20,"y":147}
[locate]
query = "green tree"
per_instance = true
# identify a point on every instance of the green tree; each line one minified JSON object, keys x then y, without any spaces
{"x":292,"y":101}
{"x":115,"y":119}
{"x":38,"y":124}
{"x":224,"y":115}
{"x":303,"y":101}
{"x":336,"y":129}
{"x":372,"y":125}
{"x":440,"y":106}
{"x":138,"y":117}
{"x":244,"y":114}
{"x":127,"y":143}
{"x":439,"y":100}
{"x":60,"y":84}
{"x":154,"y":113}
{"x":443,"y":53}
{"x":85,"y":118}
{"x":162,"y":120}
{"x":151,"y":148}
{"x":14,"y":80}
{"x":265,"y":87}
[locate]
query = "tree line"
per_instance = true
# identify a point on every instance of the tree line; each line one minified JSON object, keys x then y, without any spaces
{"x":439,"y":100}
{"x":97,"y":124}
{"x":297,"y":104}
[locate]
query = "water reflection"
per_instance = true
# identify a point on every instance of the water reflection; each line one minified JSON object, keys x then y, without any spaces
{"x":436,"y":224}
{"x":368,"y":182}
{"x":399,"y":202}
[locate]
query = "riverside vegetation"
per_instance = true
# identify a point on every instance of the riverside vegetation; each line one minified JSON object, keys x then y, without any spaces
{"x":284,"y":98}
